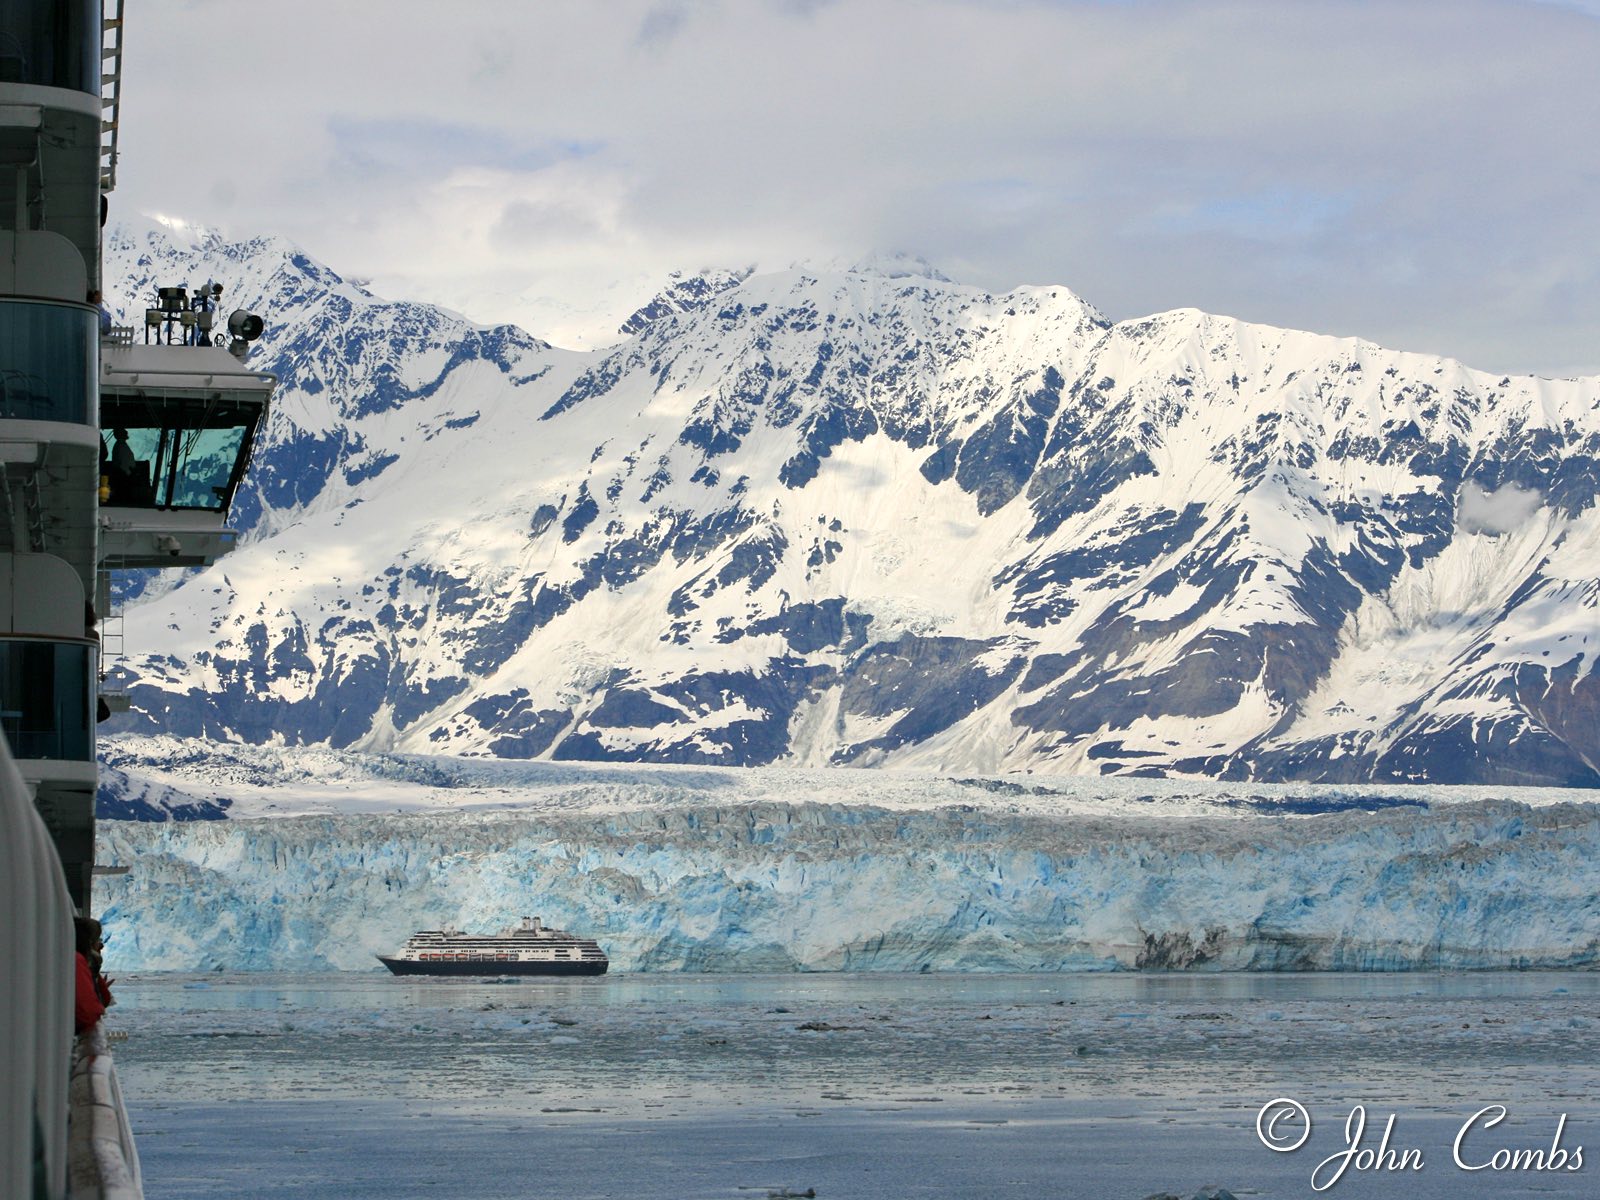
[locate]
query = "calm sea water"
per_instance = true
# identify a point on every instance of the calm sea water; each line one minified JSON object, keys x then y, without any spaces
{"x":868,"y":1086}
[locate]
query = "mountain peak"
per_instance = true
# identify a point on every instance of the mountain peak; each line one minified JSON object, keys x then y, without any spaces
{"x":860,"y":515}
{"x":894,"y":264}
{"x":683,"y":293}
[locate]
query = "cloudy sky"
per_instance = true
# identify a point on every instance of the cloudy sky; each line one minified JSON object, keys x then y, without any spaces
{"x":1424,"y":174}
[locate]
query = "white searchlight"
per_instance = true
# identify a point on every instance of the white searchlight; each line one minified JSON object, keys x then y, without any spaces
{"x":243,"y":328}
{"x":245,"y":325}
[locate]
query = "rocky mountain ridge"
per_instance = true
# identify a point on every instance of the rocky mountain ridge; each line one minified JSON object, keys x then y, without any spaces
{"x":870,"y":517}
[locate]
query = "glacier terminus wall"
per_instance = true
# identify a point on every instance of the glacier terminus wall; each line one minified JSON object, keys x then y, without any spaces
{"x":759,"y":871}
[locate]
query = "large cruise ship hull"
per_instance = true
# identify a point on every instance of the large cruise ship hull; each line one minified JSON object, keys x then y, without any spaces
{"x":402,"y":966}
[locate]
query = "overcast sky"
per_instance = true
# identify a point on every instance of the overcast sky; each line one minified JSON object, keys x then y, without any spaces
{"x":1424,"y":174}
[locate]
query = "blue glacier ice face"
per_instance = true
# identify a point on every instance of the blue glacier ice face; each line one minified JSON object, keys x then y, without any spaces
{"x":769,"y":885}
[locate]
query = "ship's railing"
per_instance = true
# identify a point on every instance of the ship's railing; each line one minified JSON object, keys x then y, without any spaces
{"x":36,"y":996}
{"x":102,"y":1163}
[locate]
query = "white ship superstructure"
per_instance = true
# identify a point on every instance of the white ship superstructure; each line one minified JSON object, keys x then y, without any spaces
{"x":526,"y":949}
{"x":118,"y":448}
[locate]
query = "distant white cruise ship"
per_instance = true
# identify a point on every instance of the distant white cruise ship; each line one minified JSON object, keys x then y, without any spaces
{"x":527,"y":949}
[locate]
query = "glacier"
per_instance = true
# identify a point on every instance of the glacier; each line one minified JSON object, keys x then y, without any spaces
{"x":716,"y":869}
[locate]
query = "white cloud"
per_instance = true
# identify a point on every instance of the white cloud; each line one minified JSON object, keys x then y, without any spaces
{"x":1504,"y":510}
{"x":1418,"y":173}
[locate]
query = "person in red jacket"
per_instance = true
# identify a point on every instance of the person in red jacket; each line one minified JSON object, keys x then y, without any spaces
{"x":87,"y":1009}
{"x":96,"y":956}
{"x":91,"y":995}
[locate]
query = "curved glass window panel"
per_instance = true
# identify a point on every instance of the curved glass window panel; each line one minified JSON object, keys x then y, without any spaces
{"x":51,"y":43}
{"x":178,"y":452}
{"x":47,"y":699}
{"x":47,"y":361}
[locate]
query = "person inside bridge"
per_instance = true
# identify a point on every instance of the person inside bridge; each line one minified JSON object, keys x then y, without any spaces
{"x":119,"y":470}
{"x":121,"y":453}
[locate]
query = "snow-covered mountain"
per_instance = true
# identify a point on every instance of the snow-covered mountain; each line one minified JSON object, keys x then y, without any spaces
{"x":871,"y":517}
{"x":343,"y":357}
{"x":682,"y":293}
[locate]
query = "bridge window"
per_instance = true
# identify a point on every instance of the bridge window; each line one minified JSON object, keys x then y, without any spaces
{"x":178,"y":452}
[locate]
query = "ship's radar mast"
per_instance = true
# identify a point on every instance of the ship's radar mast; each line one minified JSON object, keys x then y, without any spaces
{"x":182,"y":318}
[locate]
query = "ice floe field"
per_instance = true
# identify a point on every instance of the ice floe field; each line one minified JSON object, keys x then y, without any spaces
{"x":865,"y":1086}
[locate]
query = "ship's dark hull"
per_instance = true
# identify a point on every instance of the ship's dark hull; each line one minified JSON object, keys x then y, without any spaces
{"x":402,"y":966}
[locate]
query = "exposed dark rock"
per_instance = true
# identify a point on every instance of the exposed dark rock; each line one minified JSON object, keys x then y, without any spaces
{"x":932,"y":681}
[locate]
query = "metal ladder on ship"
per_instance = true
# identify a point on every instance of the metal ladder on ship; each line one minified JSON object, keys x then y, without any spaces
{"x":110,"y":95}
{"x":111,"y":627}
{"x":112,"y":643}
